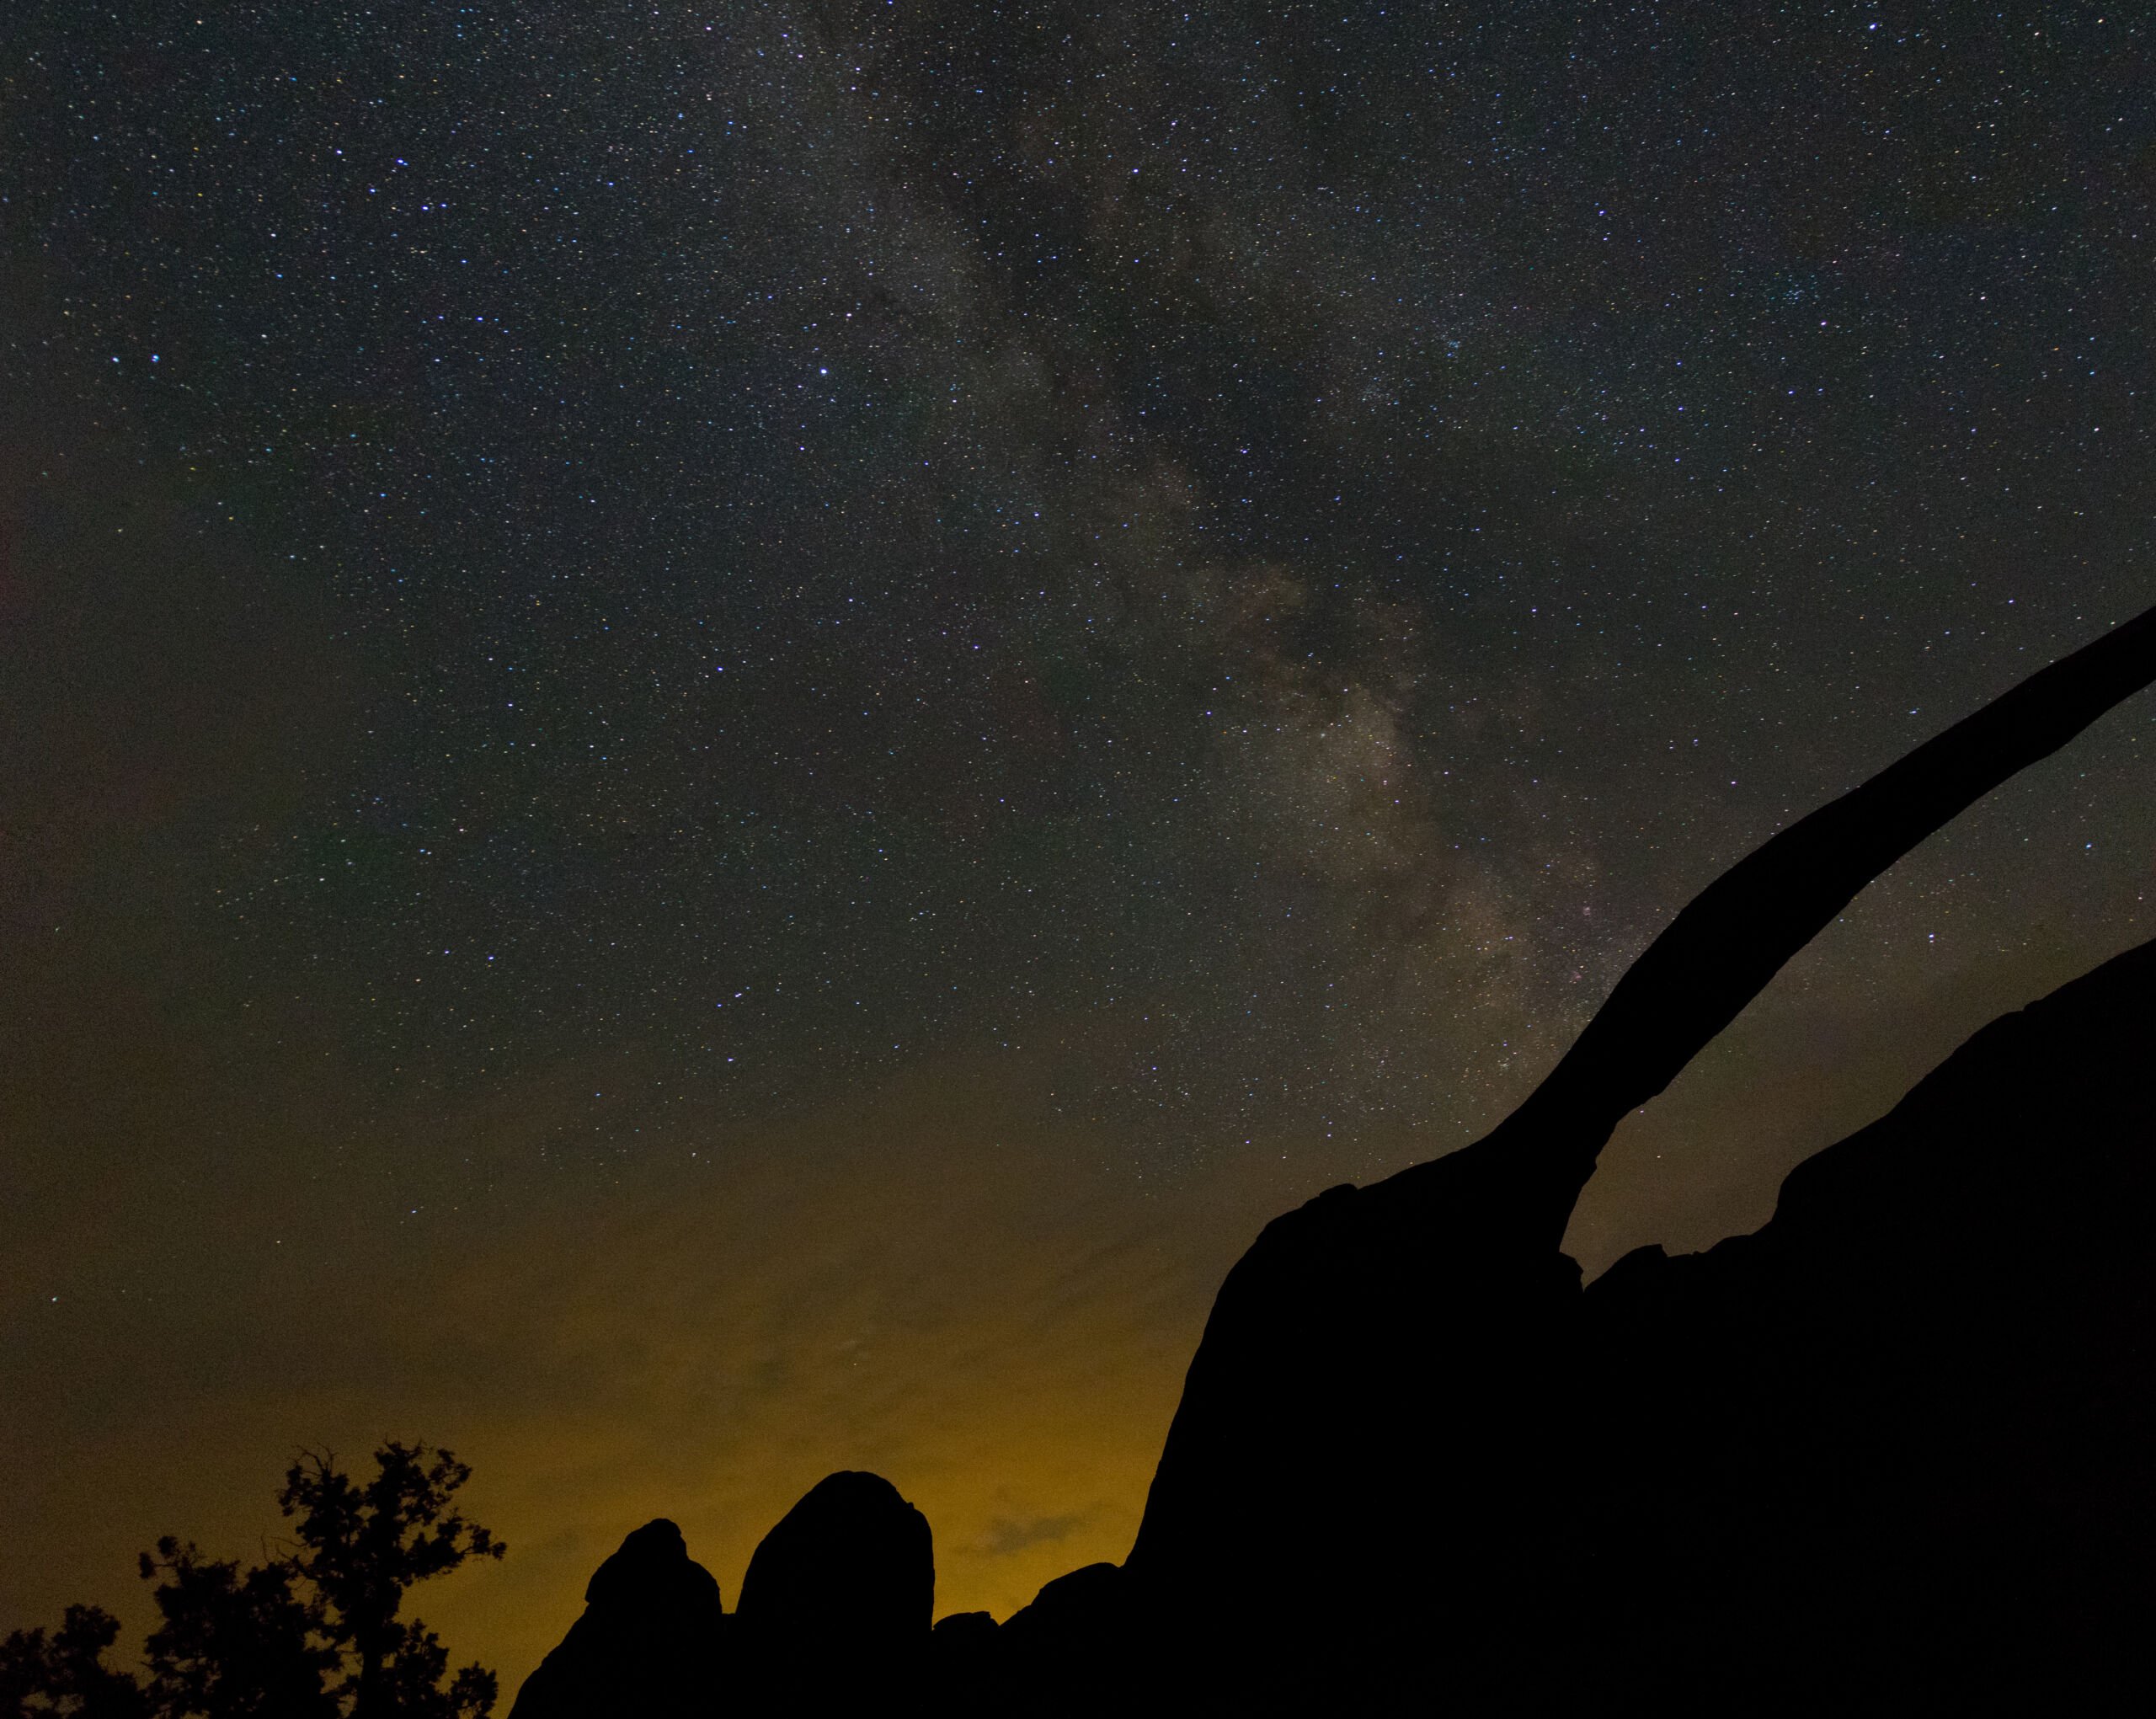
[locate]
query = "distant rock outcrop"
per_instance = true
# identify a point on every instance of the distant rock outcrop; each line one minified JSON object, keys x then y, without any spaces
{"x":1077,"y":1648}
{"x":966,"y":1627}
{"x":648,"y":1646}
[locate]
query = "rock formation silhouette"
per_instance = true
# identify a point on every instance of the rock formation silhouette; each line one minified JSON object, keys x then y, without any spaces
{"x":1400,"y":1371}
{"x":852,"y":1562}
{"x":836,"y":1601}
{"x":1907,"y":1427}
{"x":650,"y":1641}
{"x":1895,"y":1447}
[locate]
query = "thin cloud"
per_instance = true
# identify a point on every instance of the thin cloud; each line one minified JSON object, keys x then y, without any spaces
{"x":1006,"y":1537}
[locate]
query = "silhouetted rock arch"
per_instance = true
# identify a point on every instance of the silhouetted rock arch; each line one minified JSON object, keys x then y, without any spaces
{"x":1895,"y":1446}
{"x":1399,"y":1373}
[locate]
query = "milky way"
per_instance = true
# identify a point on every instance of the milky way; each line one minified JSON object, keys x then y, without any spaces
{"x":594,"y":581}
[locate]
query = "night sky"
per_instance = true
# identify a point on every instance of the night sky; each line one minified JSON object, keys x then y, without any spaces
{"x":727,"y":731}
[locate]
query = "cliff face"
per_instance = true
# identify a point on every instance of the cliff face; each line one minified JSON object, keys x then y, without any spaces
{"x":1908,"y":1425}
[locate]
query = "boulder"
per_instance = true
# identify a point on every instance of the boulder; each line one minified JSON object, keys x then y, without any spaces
{"x":647,"y":1646}
{"x":836,"y":1602}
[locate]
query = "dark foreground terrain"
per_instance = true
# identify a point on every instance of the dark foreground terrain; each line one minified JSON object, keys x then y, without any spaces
{"x":1895,"y":1448}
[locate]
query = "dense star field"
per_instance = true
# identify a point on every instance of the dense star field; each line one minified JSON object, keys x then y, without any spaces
{"x":729,"y":729}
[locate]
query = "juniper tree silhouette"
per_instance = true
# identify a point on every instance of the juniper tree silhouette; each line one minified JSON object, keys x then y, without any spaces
{"x":314,"y":1633}
{"x":43,"y":1676}
{"x":243,"y":1643}
{"x":360,"y":1548}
